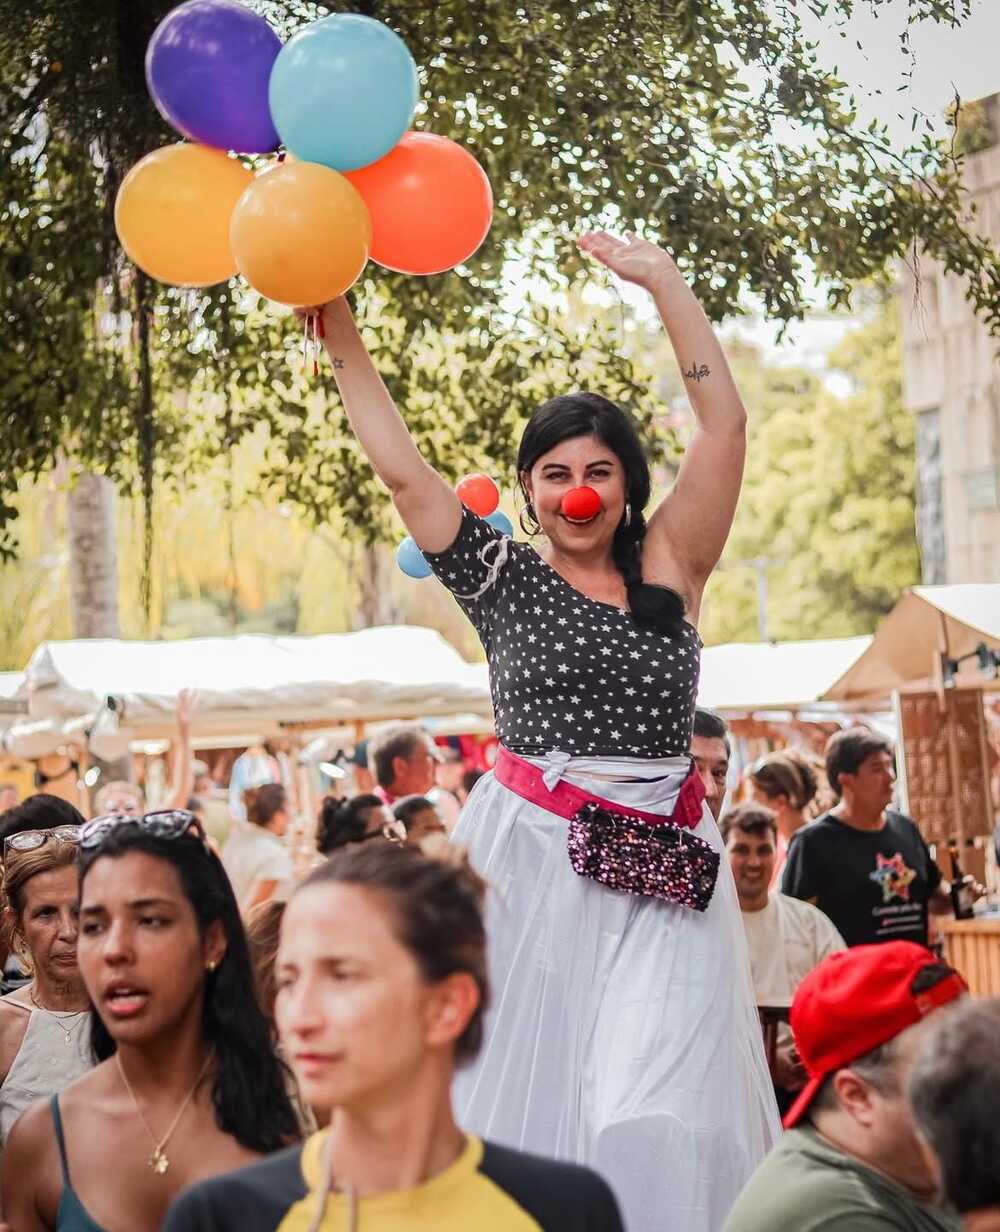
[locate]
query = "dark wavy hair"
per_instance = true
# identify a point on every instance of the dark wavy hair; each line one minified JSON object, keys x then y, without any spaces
{"x":658,"y":608}
{"x":249,"y":1092}
{"x":343,"y":821}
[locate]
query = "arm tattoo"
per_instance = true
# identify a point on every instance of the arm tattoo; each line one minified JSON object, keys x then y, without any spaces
{"x":337,"y":364}
{"x":697,"y":372}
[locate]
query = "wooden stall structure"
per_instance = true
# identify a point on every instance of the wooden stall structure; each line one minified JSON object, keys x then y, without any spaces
{"x":936,"y":655}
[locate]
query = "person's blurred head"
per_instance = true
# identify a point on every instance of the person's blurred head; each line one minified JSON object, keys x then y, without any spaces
{"x":349,"y":821}
{"x":267,"y":807}
{"x":40,"y":893}
{"x":449,"y":770}
{"x":120,"y":796}
{"x":954,"y":1088}
{"x":39,"y":812}
{"x":263,"y":933}
{"x":382,"y":977}
{"x":857,"y":1019}
{"x":162,"y":947}
{"x":783,"y":781}
{"x":861,"y":769}
{"x":711,"y":752}
{"x":419,"y":816}
{"x":201,"y":779}
{"x":405,"y":758}
{"x":9,"y":796}
{"x":751,"y":836}
{"x":469,"y":779}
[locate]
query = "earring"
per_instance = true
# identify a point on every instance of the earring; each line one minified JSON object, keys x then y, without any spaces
{"x":529,"y":513}
{"x":627,"y":519}
{"x":211,"y":966}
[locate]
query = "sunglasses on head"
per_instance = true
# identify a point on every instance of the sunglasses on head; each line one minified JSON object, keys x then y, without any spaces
{"x":34,"y":840}
{"x":393,"y":830}
{"x":166,"y":824}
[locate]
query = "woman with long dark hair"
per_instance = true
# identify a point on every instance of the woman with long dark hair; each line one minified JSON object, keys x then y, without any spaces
{"x":625,"y":1034}
{"x":187,"y":1083}
{"x":381,"y":986}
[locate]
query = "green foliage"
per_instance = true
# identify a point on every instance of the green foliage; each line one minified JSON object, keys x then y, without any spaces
{"x":828,"y":497}
{"x":575,"y":108}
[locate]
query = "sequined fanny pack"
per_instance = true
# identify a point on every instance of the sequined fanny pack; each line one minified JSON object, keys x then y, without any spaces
{"x":625,"y":853}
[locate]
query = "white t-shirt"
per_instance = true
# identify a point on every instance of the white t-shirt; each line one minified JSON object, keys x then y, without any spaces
{"x":786,"y":940}
{"x":252,"y":854}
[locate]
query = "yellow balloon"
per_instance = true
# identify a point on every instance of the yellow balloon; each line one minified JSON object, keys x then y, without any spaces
{"x":172,"y":213}
{"x":301,"y":234}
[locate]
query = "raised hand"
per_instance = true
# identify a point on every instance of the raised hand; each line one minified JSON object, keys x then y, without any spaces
{"x":632,"y":259}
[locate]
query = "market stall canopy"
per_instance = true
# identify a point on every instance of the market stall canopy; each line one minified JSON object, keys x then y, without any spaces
{"x":395,"y":672}
{"x":744,"y":677}
{"x":927,"y":621}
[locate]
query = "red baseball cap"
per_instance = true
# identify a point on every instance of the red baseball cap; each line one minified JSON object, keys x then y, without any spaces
{"x":858,"y":999}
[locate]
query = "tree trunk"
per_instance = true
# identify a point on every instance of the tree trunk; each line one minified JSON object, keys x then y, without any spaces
{"x":376,"y":602}
{"x":93,"y":557}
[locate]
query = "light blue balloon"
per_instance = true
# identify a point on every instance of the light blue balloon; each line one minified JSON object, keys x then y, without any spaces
{"x":502,"y":523}
{"x":411,"y":560}
{"x":343,"y":91}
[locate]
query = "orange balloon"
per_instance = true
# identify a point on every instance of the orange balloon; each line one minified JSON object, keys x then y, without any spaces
{"x":172,"y":213}
{"x":479,"y":493}
{"x":430,"y":201}
{"x":301,"y":234}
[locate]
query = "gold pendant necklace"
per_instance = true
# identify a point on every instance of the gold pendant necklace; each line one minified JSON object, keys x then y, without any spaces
{"x":159,"y":1161}
{"x":60,"y":1018}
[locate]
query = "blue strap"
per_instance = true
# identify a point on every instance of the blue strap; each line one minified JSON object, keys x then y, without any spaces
{"x":60,"y":1140}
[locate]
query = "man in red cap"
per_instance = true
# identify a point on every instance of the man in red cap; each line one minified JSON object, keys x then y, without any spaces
{"x":852,"y":1161}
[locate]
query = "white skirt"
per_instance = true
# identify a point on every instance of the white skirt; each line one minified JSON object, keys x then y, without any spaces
{"x":622,"y":1032}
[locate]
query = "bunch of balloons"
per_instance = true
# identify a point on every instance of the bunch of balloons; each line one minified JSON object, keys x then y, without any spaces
{"x":354,"y":183}
{"x":476,"y":492}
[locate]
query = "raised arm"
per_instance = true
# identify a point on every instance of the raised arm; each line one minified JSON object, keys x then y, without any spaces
{"x":689,"y":529}
{"x":431,"y":510}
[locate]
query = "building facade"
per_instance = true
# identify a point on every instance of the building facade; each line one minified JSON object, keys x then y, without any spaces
{"x":951,"y":383}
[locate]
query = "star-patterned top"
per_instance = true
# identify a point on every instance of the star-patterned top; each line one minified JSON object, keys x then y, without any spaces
{"x":568,"y":672}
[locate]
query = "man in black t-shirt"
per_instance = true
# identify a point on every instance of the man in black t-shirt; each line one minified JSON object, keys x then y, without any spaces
{"x":866,"y":867}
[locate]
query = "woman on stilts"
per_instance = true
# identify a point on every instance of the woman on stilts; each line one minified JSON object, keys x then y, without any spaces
{"x":623,"y":1033}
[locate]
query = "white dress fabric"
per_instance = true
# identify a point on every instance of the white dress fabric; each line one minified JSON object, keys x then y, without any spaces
{"x":623,"y":1032}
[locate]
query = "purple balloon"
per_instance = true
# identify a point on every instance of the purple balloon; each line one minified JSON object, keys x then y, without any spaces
{"x":207,"y":66}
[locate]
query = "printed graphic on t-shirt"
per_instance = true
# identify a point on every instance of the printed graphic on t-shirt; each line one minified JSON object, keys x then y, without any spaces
{"x":894,"y":876}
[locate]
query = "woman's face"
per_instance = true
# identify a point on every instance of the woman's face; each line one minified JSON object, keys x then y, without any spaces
{"x":356,"y":1019}
{"x":140,"y":952}
{"x":48,"y":923}
{"x":582,"y":461}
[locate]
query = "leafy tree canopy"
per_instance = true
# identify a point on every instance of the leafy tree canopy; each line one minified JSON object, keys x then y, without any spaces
{"x":707,"y":124}
{"x":828,"y":502}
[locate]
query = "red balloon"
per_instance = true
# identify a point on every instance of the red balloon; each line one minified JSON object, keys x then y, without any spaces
{"x":430,"y":202}
{"x":480,"y":494}
{"x":580,"y":504}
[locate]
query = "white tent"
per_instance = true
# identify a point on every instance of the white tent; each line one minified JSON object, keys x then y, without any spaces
{"x":745,"y":677}
{"x":252,"y":683}
{"x":926,"y":623}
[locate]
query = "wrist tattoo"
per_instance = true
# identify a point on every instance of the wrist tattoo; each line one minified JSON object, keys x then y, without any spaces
{"x":337,"y":364}
{"x":697,"y":372}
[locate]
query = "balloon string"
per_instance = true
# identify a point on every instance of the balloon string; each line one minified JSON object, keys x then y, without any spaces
{"x":315,"y":319}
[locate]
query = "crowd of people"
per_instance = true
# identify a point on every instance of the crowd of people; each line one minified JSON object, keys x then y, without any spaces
{"x":570,"y":996}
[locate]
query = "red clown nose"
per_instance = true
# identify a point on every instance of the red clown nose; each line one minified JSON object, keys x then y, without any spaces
{"x":580,"y":504}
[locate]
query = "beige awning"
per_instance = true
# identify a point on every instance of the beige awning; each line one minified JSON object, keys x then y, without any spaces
{"x":926,"y":623}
